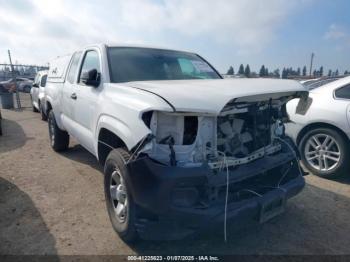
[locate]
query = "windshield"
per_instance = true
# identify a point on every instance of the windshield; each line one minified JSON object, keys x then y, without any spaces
{"x":141,"y":64}
{"x":314,"y":84}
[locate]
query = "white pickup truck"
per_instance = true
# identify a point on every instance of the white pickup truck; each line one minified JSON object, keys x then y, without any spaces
{"x":182,"y":148}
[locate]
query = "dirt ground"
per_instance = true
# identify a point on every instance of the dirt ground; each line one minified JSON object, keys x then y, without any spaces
{"x":53,"y":203}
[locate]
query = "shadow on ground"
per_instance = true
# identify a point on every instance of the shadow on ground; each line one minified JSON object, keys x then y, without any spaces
{"x":22,"y":228}
{"x":297,"y":231}
{"x":13,"y":136}
{"x":79,"y":154}
{"x":343,"y":180}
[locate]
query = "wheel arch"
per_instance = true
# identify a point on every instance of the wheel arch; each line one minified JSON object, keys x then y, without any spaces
{"x":315,"y":125}
{"x":107,"y":141}
{"x":124,"y":134}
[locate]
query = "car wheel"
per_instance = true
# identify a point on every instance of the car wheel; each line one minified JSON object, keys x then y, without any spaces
{"x":0,"y":124}
{"x":59,"y":139}
{"x":323,"y":152}
{"x":33,"y":107}
{"x":42,"y":113}
{"x":120,"y":206}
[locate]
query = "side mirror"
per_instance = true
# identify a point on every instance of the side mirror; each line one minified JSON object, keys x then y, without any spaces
{"x":35,"y":85}
{"x":91,"y":78}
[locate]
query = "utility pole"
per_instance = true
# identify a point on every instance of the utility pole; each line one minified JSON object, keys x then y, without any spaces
{"x":15,"y":81}
{"x":312,"y":60}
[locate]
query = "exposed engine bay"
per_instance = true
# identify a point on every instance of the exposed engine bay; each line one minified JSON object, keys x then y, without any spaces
{"x":244,"y":131}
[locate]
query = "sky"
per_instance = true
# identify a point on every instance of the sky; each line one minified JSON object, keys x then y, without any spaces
{"x":276,"y":33}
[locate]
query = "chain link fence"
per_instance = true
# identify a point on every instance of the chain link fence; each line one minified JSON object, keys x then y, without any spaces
{"x":14,"y":79}
{"x":23,"y":71}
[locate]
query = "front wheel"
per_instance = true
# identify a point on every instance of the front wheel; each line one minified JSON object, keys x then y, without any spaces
{"x":59,"y":139}
{"x":323,"y":152}
{"x":120,"y":206}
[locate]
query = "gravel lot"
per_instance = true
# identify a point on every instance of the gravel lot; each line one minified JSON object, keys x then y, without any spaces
{"x":54,"y":204}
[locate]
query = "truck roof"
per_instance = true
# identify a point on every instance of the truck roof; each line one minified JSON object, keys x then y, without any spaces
{"x":102,"y":45}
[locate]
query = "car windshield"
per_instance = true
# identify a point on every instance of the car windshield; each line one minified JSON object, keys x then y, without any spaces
{"x":11,"y":80}
{"x":141,"y":64}
{"x":314,"y":84}
{"x":8,"y":80}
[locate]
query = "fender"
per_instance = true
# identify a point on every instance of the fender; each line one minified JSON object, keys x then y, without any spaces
{"x":49,"y":100}
{"x":130,"y":136}
{"x":41,"y":96}
{"x":320,"y":123}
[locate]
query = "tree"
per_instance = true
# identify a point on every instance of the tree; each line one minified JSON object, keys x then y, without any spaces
{"x":337,"y":72}
{"x":266,"y":71}
{"x":330,"y":72}
{"x":304,"y":71}
{"x":262,"y":71}
{"x":346,"y":72}
{"x":231,"y":71}
{"x":241,"y":70}
{"x":321,"y":71}
{"x":247,"y":71}
{"x":284,"y":73}
{"x":276,"y":73}
{"x":298,"y":71}
{"x":314,"y":73}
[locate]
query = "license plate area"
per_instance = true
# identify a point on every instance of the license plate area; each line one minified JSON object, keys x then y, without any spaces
{"x":272,"y":206}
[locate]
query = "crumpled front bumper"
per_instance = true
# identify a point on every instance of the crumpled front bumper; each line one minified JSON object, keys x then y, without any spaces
{"x":153,"y":187}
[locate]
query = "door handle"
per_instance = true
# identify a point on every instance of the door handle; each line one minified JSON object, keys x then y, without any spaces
{"x":73,"y":96}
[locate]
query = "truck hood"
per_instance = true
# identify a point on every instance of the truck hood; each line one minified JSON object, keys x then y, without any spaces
{"x":211,"y":96}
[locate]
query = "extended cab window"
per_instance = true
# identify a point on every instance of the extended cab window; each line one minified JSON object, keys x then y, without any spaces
{"x":73,"y":67}
{"x":141,"y":64}
{"x":343,"y":92}
{"x":43,"y":81}
{"x":91,"y":61}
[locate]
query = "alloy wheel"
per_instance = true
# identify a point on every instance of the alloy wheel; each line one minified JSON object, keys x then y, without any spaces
{"x":322,"y":152}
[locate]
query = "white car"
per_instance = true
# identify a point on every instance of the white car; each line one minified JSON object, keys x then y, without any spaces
{"x":182,"y":148}
{"x":37,"y":94}
{"x":322,"y":130}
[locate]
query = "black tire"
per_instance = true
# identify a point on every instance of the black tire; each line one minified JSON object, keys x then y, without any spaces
{"x":0,"y":124}
{"x":59,"y":139}
{"x":42,"y":113}
{"x":125,"y":229}
{"x":33,"y":107}
{"x":342,"y":165}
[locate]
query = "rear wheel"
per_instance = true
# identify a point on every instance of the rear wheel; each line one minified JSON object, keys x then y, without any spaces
{"x":33,"y":107}
{"x":42,"y":113}
{"x":323,"y":152}
{"x":59,"y":139}
{"x":120,"y":205}
{"x":0,"y":124}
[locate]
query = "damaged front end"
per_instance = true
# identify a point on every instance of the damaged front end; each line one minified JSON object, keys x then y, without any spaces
{"x":192,"y":165}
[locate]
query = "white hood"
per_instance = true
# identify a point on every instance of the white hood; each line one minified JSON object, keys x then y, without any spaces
{"x":210,"y":96}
